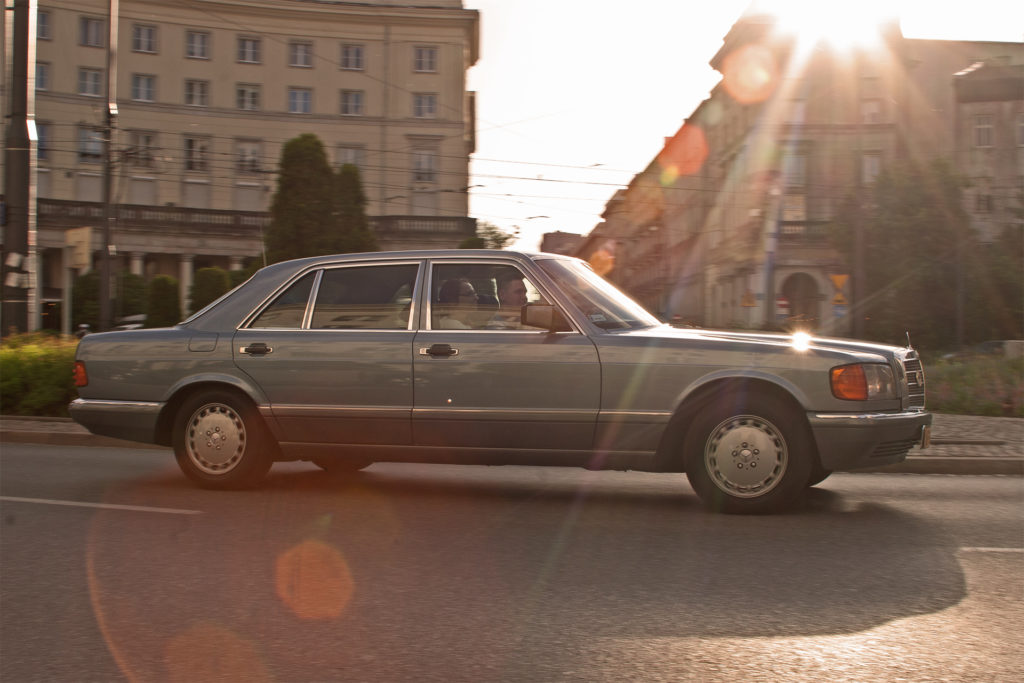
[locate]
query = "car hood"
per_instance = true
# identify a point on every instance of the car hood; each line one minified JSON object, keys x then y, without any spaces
{"x":775,"y":342}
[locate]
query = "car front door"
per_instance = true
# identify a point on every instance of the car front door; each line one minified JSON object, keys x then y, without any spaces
{"x":484,"y":381}
{"x":333,"y":354}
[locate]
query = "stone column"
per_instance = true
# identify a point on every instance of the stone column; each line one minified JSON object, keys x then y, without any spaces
{"x":234,"y":263}
{"x":138,"y":263}
{"x":185,"y":265}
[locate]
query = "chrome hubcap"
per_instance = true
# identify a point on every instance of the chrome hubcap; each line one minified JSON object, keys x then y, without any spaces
{"x":746,"y":456}
{"x":216,"y":438}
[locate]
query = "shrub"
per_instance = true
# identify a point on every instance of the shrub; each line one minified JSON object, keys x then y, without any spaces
{"x":209,"y":285}
{"x":35,"y":374}
{"x":164,"y":306}
{"x":983,"y":386}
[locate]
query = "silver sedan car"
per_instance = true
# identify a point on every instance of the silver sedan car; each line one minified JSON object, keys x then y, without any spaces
{"x":496,"y":358}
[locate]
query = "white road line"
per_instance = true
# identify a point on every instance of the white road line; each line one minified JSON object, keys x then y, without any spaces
{"x":970,"y":549}
{"x":103,"y":506}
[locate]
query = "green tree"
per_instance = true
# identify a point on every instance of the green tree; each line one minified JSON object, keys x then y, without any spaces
{"x":488,"y":236}
{"x":302,"y":210}
{"x":353,"y":228}
{"x":923,"y":262}
{"x":164,"y":302}
{"x":208,"y":286}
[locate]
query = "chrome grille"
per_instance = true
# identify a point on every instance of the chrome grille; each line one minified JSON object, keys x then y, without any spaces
{"x":913,"y":371}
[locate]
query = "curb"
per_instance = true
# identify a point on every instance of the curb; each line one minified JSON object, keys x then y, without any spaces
{"x":914,"y":464}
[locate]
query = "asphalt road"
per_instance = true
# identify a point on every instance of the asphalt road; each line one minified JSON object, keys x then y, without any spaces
{"x":114,"y":568}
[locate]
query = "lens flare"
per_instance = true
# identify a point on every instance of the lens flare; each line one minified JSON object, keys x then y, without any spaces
{"x":602,"y":261}
{"x":210,"y":652}
{"x":313,"y":580}
{"x":750,"y":74}
{"x":684,"y":154}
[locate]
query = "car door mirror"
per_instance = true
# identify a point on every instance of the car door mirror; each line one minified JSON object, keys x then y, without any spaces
{"x":544,"y":316}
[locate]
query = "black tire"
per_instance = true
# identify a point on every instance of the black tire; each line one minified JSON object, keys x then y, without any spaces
{"x":748,"y":454}
{"x":340,"y":466}
{"x":221,"y":442}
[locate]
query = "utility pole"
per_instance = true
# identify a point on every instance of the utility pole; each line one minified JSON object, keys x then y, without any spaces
{"x":19,"y":311}
{"x":108,"y":142}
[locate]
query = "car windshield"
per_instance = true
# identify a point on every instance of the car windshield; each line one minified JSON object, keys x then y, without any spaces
{"x":599,"y":300}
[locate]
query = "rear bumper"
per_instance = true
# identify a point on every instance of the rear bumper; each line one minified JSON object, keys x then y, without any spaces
{"x":848,"y":441}
{"x":132,"y":420}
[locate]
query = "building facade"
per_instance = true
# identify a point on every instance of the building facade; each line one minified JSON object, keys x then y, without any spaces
{"x":728,"y":224}
{"x":207,"y":93}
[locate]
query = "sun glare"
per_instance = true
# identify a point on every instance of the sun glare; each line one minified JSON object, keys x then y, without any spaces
{"x":841,"y":26}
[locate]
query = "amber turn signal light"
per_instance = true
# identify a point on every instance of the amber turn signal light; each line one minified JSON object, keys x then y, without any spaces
{"x":849,"y":382}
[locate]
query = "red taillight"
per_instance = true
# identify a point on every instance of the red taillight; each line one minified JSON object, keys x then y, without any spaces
{"x":80,"y":375}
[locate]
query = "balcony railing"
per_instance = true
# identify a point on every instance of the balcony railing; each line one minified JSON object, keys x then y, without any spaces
{"x":65,"y":213}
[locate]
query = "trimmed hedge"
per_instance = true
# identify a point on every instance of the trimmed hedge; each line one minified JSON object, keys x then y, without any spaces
{"x":35,"y":374}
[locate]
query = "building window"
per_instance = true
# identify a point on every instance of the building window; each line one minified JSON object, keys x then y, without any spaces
{"x":300,"y":54}
{"x":90,"y":82}
{"x":300,"y":101}
{"x":871,"y":111}
{"x":424,"y":166}
{"x":247,"y":97}
{"x":248,"y":157}
{"x":425,"y":59}
{"x":90,"y":145}
{"x":795,"y":169}
{"x":143,"y":38}
{"x":870,"y":167}
{"x":197,"y":45}
{"x":196,"y":154}
{"x":351,"y":154}
{"x":90,"y":32}
{"x":42,"y":25}
{"x":352,"y":57}
{"x":197,"y":93}
{"x":424,"y":105}
{"x":249,"y":50}
{"x":351,"y":102}
{"x":142,"y":149}
{"x":143,"y":88}
{"x":43,"y":142}
{"x":983,"y":131}
{"x":982,"y":203}
{"x":42,"y":76}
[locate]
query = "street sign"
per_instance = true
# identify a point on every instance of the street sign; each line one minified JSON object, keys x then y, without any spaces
{"x":80,"y":242}
{"x":839,"y":299}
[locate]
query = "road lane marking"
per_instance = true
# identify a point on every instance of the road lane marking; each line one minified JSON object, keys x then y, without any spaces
{"x":974,"y":549}
{"x":102,"y":506}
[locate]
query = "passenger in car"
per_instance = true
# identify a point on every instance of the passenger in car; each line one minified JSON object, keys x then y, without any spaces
{"x":511,"y":299}
{"x":456,"y":303}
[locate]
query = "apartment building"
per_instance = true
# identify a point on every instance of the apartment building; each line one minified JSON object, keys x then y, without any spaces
{"x":207,"y":93}
{"x":726,"y":226}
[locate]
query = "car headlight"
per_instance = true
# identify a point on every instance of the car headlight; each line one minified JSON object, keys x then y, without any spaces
{"x":863,"y":382}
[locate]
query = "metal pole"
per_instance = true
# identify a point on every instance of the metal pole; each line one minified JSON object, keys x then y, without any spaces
{"x":19,"y":286}
{"x":108,"y":141}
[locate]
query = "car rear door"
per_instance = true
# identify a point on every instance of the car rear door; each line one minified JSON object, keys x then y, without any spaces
{"x":333,"y":354}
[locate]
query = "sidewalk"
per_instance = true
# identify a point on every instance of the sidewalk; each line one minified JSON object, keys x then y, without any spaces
{"x":961,"y":444}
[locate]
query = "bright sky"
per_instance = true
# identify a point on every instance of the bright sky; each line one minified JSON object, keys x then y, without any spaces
{"x":574,"y":97}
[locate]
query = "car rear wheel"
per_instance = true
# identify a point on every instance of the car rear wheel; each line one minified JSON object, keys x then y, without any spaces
{"x":747,"y":455}
{"x":220,"y":441}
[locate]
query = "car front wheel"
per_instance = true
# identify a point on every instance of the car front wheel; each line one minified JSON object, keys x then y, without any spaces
{"x":748,"y":455}
{"x":220,"y":441}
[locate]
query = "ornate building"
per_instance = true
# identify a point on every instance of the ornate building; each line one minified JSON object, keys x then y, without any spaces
{"x":208,"y":91}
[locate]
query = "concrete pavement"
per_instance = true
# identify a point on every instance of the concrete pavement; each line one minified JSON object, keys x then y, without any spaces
{"x":961,"y":444}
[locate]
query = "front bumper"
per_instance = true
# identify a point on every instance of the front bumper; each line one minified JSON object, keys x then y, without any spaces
{"x":132,"y":420}
{"x":849,"y":441}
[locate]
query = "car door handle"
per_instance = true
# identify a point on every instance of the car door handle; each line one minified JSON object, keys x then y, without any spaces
{"x":439,"y":350}
{"x":257,"y":349}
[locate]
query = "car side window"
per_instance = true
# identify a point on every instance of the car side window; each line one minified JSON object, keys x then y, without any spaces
{"x":289,"y":308}
{"x":479,"y":296}
{"x":377,"y":297}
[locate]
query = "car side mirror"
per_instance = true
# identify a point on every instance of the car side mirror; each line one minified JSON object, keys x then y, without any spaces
{"x":544,"y":316}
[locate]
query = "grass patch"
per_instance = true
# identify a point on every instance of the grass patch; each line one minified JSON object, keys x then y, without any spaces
{"x":982,"y":386}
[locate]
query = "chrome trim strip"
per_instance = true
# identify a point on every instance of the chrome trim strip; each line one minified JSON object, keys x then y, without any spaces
{"x":301,"y":410}
{"x":126,"y":406}
{"x":505,"y":414}
{"x":307,"y":315}
{"x":657,"y":415}
{"x":869,"y":416}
